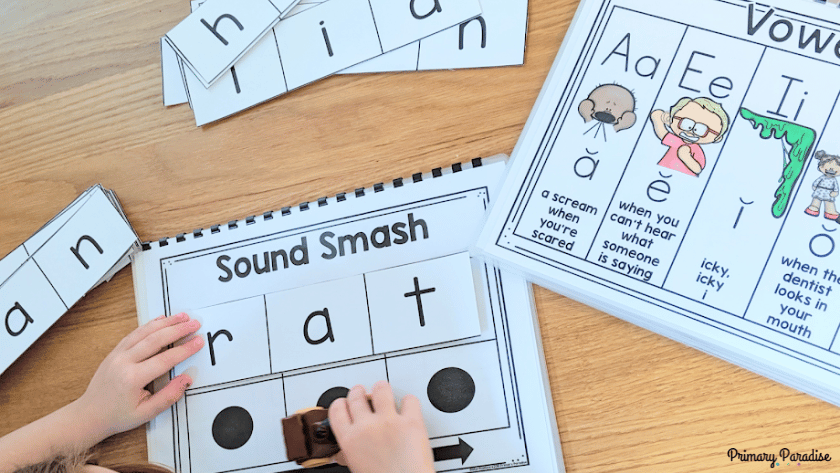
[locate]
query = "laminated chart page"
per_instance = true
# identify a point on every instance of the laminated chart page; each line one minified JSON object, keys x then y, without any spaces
{"x":679,"y":170}
{"x":299,"y":305}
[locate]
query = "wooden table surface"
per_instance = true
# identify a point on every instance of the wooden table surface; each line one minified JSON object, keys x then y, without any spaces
{"x":80,"y":103}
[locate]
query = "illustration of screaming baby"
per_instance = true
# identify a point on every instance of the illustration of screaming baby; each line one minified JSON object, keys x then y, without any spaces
{"x":609,"y":104}
{"x":690,"y":123}
{"x":825,"y":187}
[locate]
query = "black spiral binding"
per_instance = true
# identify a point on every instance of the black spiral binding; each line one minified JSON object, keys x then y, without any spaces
{"x":305,"y":206}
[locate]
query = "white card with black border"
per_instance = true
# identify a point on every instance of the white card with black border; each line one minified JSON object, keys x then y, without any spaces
{"x":40,"y":280}
{"x":211,"y":39}
{"x":299,"y":305}
{"x":316,"y":42}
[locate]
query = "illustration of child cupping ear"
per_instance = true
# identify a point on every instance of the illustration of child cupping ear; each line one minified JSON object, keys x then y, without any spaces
{"x":825,"y":187}
{"x":690,"y":123}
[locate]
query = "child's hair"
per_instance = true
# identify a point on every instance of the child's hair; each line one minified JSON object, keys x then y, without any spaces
{"x":74,"y":464}
{"x":825,"y":158}
{"x":139,"y":468}
{"x":61,"y":464}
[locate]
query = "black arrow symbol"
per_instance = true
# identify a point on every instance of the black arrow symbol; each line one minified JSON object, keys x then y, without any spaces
{"x":462,"y":451}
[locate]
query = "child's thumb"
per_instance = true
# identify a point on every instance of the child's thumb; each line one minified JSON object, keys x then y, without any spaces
{"x":166,"y":397}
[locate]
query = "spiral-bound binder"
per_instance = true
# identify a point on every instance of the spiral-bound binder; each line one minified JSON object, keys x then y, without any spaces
{"x":374,"y":283}
{"x":318,"y":203}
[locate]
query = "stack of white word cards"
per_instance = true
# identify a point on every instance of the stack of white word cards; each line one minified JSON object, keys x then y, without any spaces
{"x":80,"y":248}
{"x":229,"y":55}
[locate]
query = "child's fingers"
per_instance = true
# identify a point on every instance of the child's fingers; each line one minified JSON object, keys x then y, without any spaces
{"x":150,"y":327}
{"x":339,"y":417}
{"x":340,"y":459}
{"x":160,"y":339}
{"x":159,"y":364}
{"x":383,"y":398}
{"x":170,"y":394}
{"x":358,"y":404}
{"x":411,"y":407}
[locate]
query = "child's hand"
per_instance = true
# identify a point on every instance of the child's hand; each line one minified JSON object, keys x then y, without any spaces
{"x":116,"y":399}
{"x":381,"y":440}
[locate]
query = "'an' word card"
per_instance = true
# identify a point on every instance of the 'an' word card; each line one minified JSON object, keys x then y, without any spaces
{"x":77,"y":250}
{"x":211,"y":39}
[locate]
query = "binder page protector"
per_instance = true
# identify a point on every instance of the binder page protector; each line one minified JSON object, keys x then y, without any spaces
{"x":678,"y":171}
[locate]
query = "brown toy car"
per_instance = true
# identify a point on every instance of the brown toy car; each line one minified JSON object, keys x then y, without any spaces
{"x":309,"y":439}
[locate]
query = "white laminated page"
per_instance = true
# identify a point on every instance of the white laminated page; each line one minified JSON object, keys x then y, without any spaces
{"x":493,"y":39}
{"x":400,"y":23}
{"x":172,"y":82}
{"x":300,"y":304}
{"x":678,"y":171}
{"x":36,"y":241}
{"x":333,"y":320}
{"x":211,"y":39}
{"x":303,"y":5}
{"x":285,"y":6}
{"x":257,"y":77}
{"x":41,"y":279}
{"x":11,"y":262}
{"x":16,"y":257}
{"x":318,"y":41}
{"x":29,"y":306}
{"x":85,"y":248}
{"x":422,"y":304}
{"x":345,"y":34}
{"x":402,"y":59}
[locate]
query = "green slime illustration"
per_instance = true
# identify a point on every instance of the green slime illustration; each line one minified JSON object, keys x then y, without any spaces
{"x":800,"y":138}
